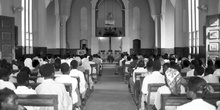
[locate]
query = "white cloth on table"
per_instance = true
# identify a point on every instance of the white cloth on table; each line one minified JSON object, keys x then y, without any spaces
{"x":74,"y":83}
{"x":49,"y":86}
{"x":197,"y":104}
{"x":6,"y":84}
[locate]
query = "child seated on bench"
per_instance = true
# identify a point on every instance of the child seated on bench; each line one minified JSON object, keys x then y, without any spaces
{"x":197,"y":85}
{"x":8,"y":100}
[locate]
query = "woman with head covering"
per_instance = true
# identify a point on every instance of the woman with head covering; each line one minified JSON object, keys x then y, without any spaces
{"x":173,"y":86}
{"x":28,"y":63}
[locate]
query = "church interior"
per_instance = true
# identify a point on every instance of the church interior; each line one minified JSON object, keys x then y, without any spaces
{"x":143,"y":26}
{"x":110,"y":40}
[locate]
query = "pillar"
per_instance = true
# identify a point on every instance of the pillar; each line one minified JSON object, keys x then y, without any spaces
{"x":155,"y":8}
{"x":94,"y":39}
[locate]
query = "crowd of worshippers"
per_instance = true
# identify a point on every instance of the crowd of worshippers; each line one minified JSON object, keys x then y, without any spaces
{"x":52,"y":73}
{"x":179,"y":76}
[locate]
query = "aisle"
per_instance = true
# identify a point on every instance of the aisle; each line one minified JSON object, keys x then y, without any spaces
{"x":110,"y":93}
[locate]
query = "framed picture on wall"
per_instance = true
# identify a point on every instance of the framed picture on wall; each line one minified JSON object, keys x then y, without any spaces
{"x":214,"y":34}
{"x":213,"y":47}
{"x":214,"y":21}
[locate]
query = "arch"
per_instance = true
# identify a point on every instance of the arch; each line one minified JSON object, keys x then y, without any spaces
{"x":94,"y":40}
{"x":136,"y":22}
{"x":84,"y":22}
{"x":100,"y":1}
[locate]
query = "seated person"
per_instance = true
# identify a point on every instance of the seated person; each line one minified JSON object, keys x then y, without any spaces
{"x":140,"y":68}
{"x":92,"y":62}
{"x":197,"y":85}
{"x":49,"y":86}
{"x":23,"y":81}
{"x":218,"y":105}
{"x":217,"y":68}
{"x":155,"y":77}
{"x":186,"y":66}
{"x":199,"y":71}
{"x":193,"y":65}
{"x":8,"y":100}
{"x":76,"y":73}
{"x":12,"y":77}
{"x":173,"y":86}
{"x":66,"y":78}
{"x":4,"y":77}
{"x":57,"y":65}
{"x":35,"y":70}
{"x":209,"y":77}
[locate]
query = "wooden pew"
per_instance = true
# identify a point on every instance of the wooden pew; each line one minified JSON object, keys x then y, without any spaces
{"x":68,"y":86}
{"x":86,"y":75}
{"x":38,"y":100}
{"x":127,"y":75}
{"x":152,"y":88}
{"x":173,"y":100}
{"x":137,"y":86}
{"x":94,"y":75}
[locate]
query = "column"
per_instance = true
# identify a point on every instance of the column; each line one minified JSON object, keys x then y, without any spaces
{"x":57,"y":14}
{"x":94,"y":39}
{"x":126,"y":40}
{"x":63,"y":42}
{"x":155,"y":8}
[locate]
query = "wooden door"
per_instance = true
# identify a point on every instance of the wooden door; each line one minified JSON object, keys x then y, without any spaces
{"x":7,"y":41}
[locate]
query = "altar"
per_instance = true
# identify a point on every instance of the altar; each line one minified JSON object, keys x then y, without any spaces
{"x":110,"y":56}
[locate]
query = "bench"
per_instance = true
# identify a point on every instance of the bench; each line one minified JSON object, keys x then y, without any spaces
{"x":38,"y":100}
{"x":152,"y":88}
{"x":94,"y":74}
{"x":173,"y":100}
{"x":68,"y":86}
{"x":137,"y":85}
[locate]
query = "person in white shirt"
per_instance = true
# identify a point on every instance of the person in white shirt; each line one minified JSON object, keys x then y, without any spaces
{"x":155,"y":77}
{"x":193,"y":65}
{"x":135,"y":82}
{"x":217,"y":70}
{"x":209,"y":77}
{"x":23,"y":81}
{"x":49,"y":86}
{"x":196,"y":85}
{"x":57,"y":65}
{"x":66,"y":78}
{"x":76,"y":73}
{"x":4,"y":77}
